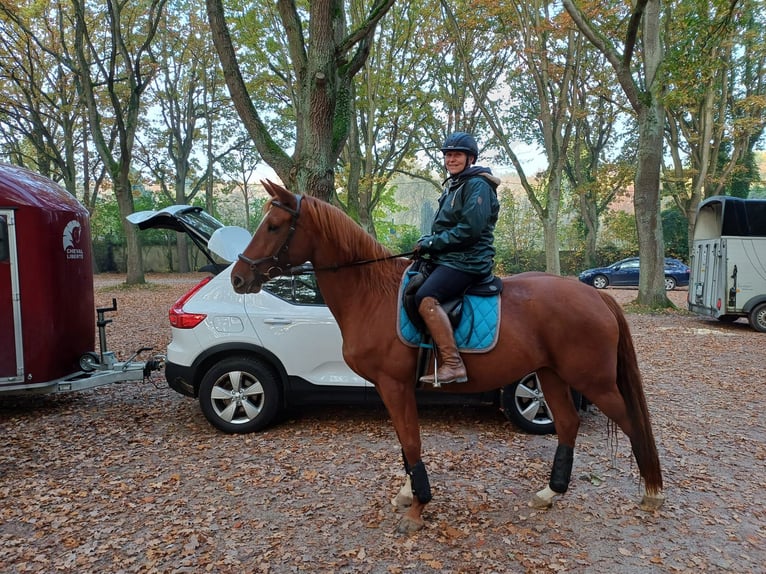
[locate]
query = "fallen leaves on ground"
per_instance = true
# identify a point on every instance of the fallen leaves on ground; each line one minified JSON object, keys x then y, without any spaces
{"x":131,"y":478}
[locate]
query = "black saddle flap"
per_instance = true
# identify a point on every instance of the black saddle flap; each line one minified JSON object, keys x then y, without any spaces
{"x":491,"y":285}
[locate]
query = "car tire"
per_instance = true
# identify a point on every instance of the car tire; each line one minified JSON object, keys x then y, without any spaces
{"x":240,"y":395}
{"x":757,"y":318}
{"x":600,"y":282}
{"x":525,"y":406}
{"x":670,"y":283}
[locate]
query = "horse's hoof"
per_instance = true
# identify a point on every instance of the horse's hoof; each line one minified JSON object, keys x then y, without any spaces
{"x":540,"y":503}
{"x":652,"y":501}
{"x":409,"y":525}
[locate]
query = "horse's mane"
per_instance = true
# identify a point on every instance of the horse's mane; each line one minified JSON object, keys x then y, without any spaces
{"x":352,"y":243}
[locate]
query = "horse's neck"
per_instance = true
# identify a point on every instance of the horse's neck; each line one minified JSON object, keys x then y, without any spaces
{"x":354,"y":273}
{"x":360,"y":293}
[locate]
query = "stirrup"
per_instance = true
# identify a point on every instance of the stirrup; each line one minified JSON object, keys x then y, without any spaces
{"x":426,"y":380}
{"x":434,"y":379}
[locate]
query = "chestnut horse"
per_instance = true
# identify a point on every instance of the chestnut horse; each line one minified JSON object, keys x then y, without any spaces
{"x":570,"y":334}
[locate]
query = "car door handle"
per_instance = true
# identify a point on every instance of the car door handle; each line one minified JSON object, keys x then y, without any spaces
{"x":277,"y":321}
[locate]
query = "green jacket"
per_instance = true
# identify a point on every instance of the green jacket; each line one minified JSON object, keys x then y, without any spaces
{"x":463,"y":230}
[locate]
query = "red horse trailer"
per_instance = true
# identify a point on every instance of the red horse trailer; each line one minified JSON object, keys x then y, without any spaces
{"x":47,"y":324}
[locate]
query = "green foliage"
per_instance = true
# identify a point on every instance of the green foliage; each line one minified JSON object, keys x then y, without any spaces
{"x":744,"y":176}
{"x":620,"y":230}
{"x":105,"y":222}
{"x":509,"y":262}
{"x":256,"y":211}
{"x":675,"y":232}
{"x":398,"y":238}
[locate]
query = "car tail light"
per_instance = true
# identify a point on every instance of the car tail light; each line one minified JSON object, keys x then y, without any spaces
{"x":179,"y":318}
{"x":718,"y":304}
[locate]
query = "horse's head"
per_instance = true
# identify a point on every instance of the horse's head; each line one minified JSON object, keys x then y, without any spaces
{"x":274,"y":248}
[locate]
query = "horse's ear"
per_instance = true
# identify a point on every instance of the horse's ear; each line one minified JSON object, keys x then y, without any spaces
{"x":269,"y":186}
{"x":279,"y":193}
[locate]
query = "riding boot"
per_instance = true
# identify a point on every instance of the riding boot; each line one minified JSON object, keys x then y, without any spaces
{"x":451,"y":369}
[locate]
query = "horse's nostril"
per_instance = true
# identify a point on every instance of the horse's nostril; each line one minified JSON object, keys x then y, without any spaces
{"x":236,"y":281}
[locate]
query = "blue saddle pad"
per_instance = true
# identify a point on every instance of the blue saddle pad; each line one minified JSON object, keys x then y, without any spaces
{"x":478,"y":328}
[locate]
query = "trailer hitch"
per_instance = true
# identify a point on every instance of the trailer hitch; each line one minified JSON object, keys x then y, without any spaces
{"x":106,"y":360}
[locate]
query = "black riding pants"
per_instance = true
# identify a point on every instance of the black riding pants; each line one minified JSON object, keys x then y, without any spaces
{"x":445,"y":283}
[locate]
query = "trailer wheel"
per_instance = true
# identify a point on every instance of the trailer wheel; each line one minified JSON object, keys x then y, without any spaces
{"x":758,"y":317}
{"x":240,"y":395}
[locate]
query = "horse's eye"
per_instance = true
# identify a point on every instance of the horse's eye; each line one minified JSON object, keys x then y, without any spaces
{"x":272,"y":227}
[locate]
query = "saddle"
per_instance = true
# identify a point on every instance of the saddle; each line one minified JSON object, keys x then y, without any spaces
{"x":475,"y":316}
{"x":417,"y":274}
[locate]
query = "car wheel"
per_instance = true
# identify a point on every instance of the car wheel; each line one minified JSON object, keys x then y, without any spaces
{"x":525,"y":406}
{"x":670,"y":283}
{"x":758,"y":318}
{"x":600,"y":282}
{"x":239,"y":395}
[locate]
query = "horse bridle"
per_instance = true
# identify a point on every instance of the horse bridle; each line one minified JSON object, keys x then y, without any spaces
{"x":254,"y":263}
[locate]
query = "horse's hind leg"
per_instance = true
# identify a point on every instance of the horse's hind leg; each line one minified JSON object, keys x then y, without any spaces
{"x":613,"y":406}
{"x":558,"y":396}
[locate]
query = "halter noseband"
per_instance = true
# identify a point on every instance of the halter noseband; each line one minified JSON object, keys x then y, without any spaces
{"x":253,"y":263}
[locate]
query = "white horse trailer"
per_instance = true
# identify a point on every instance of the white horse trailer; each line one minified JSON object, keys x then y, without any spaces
{"x":728,"y":260}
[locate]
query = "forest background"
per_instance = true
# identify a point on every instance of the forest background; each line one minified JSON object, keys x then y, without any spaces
{"x":138,"y":105}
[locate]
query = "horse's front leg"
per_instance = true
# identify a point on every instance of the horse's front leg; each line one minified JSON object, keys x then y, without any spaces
{"x":402,"y":407}
{"x":419,"y":495}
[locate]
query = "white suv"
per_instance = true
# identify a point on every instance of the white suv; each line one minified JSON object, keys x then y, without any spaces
{"x":247,"y":358}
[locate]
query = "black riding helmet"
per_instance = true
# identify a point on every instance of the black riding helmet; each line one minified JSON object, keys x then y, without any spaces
{"x":462,"y":141}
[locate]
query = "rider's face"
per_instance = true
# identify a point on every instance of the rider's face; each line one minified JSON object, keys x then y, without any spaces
{"x":455,"y":161}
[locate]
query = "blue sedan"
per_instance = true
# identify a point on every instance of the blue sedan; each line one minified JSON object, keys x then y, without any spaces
{"x":624,"y":273}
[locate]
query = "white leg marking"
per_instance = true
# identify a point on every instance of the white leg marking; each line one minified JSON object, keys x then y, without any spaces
{"x":544,"y":498}
{"x":403,"y":498}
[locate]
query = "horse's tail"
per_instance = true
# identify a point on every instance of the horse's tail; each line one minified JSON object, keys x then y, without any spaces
{"x":632,"y":391}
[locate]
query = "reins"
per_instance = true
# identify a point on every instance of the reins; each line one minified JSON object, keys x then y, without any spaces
{"x":301,"y":269}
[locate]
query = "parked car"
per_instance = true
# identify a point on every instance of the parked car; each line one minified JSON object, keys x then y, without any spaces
{"x":625,"y":273}
{"x":248,"y":358}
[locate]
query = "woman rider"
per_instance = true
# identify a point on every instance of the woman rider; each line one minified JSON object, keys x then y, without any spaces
{"x":460,"y":245}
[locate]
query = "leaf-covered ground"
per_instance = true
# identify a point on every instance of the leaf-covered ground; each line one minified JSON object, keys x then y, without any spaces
{"x":131,"y":477}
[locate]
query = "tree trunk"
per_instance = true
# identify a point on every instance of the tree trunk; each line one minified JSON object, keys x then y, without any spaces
{"x":646,"y":200}
{"x":551,"y":220}
{"x":589,"y":213}
{"x":133,"y":256}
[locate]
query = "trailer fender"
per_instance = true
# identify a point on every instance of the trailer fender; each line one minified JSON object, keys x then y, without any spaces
{"x":753,"y":302}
